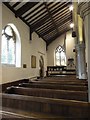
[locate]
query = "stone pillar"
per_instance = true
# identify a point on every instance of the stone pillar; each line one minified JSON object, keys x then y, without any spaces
{"x":85,"y":14}
{"x":75,"y":21}
{"x":80,"y":49}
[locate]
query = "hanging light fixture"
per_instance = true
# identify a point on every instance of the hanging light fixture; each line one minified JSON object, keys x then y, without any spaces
{"x":71,"y":25}
{"x":71,"y":8}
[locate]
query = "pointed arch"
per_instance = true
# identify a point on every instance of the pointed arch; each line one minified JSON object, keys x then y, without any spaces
{"x":11,"y":46}
{"x":60,"y":56}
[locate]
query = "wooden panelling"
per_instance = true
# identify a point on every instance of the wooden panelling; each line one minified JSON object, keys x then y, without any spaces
{"x":62,"y":107}
{"x":49,"y":93}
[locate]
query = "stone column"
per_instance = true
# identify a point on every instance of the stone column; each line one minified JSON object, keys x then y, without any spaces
{"x":85,"y":14}
{"x":80,"y":49}
{"x":75,"y":21}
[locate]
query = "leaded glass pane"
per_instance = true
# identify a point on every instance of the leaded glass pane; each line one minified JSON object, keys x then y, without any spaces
{"x":11,"y":52}
{"x":8,"y":46}
{"x":4,"y":57}
{"x":60,"y":56}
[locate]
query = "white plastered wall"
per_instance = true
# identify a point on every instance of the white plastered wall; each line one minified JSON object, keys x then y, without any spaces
{"x":70,"y":45}
{"x":28,"y":48}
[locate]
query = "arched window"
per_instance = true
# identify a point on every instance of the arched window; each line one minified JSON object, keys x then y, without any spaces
{"x":9,"y":46}
{"x":60,"y":56}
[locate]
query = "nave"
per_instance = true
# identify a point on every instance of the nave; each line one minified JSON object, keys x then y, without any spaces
{"x":38,"y":40}
{"x":49,"y":98}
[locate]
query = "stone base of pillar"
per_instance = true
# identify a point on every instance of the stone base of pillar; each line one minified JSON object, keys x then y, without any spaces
{"x":83,"y":76}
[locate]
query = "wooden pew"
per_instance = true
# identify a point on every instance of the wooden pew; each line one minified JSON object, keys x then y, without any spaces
{"x":68,"y":108}
{"x":6,"y":115}
{"x":61,"y":79}
{"x":10,"y":113}
{"x":72,"y":78}
{"x":53,"y":86}
{"x":61,"y":82}
{"x":14,"y":83}
{"x":50,"y":93}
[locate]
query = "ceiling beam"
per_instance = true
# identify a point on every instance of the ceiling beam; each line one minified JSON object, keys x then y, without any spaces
{"x":39,"y":22}
{"x":52,"y":33}
{"x":64,"y":26}
{"x":17,"y":3}
{"x":64,"y":20}
{"x":7,"y":4}
{"x":37,"y":17}
{"x":43,"y":14}
{"x":32,"y":11}
{"x":61,"y":9}
{"x":56,"y":36}
{"x":49,"y":24}
{"x":36,"y":14}
{"x":43,"y":19}
{"x":61,"y":28}
{"x":49,"y":30}
{"x":44,"y":25}
{"x":46,"y":29}
{"x":25,"y":8}
{"x":61,"y":16}
{"x":51,"y":16}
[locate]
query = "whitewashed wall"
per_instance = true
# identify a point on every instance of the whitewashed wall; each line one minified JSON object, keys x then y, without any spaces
{"x":70,"y":45}
{"x":28,"y":48}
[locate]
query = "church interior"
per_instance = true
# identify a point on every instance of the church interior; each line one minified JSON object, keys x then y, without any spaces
{"x":44,"y":60}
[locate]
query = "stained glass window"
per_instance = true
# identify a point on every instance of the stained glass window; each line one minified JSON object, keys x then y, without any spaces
{"x":8,"y":46}
{"x":60,"y":56}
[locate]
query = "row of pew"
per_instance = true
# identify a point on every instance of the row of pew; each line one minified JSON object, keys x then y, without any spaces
{"x":50,"y":98}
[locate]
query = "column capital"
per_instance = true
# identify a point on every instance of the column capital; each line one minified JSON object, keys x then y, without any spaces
{"x":84,"y":9}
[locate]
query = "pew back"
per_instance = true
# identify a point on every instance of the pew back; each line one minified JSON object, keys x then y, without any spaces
{"x":66,"y":108}
{"x":50,"y":93}
{"x":53,"y":86}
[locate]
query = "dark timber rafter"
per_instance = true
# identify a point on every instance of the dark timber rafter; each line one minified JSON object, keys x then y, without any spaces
{"x":17,"y":3}
{"x":51,"y":16}
{"x":56,"y":36}
{"x":49,"y":30}
{"x":48,"y":19}
{"x":59,"y":19}
{"x":33,"y":11}
{"x":25,"y":8}
{"x":19,"y":17}
{"x":35,"y":14}
{"x":39,"y":23}
{"x":37,"y":17}
{"x":60,"y":30}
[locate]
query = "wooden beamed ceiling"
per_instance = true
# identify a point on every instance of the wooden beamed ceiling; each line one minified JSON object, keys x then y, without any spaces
{"x":48,"y":19}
